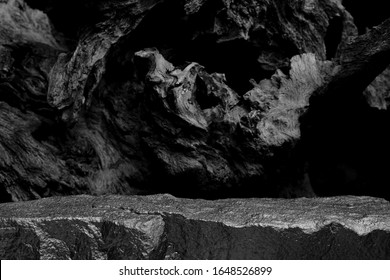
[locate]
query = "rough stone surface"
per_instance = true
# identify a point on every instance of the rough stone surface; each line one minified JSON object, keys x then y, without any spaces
{"x":165,"y":227}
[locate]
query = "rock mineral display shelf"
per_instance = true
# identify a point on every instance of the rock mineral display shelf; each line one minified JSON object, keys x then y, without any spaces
{"x":165,"y":227}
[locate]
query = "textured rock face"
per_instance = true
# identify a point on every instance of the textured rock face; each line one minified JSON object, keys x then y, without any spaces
{"x":165,"y":227}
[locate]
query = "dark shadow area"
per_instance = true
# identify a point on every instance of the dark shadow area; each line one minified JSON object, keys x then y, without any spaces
{"x":347,"y":146}
{"x":5,"y":196}
{"x":367,"y":14}
{"x":51,"y":132}
{"x":333,"y":36}
{"x":68,"y":17}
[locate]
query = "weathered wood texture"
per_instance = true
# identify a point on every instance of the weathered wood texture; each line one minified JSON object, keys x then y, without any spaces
{"x":121,"y":100}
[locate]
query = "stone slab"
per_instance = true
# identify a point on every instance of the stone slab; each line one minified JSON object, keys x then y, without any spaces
{"x":166,"y":227}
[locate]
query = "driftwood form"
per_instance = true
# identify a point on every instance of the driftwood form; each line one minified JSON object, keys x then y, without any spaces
{"x":137,"y":101}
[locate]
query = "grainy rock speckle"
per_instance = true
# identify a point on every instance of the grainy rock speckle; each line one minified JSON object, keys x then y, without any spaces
{"x":165,"y":227}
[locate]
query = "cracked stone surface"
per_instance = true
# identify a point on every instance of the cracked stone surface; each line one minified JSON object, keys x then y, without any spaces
{"x":165,"y":227}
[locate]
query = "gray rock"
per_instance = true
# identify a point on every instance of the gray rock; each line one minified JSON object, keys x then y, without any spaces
{"x":165,"y":227}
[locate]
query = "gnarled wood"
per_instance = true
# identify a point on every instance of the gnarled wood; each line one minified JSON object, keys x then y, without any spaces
{"x":211,"y":111}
